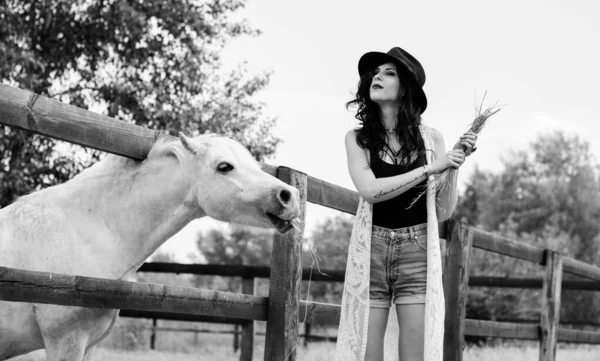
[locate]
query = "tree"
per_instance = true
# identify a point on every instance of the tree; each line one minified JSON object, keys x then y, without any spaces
{"x":154,"y":63}
{"x":238,"y":247}
{"x":331,"y":240}
{"x":547,"y":195}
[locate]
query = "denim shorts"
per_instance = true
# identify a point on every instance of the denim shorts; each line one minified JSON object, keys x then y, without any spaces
{"x":398,"y":265}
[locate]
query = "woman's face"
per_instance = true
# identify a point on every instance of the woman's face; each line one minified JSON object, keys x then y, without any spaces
{"x":385,"y":85}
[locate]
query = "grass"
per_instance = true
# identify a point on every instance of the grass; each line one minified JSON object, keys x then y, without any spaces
{"x":324,"y":352}
{"x":223,"y":351}
{"x":130,"y":342}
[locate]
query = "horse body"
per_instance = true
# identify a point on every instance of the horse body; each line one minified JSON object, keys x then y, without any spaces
{"x":110,"y":218}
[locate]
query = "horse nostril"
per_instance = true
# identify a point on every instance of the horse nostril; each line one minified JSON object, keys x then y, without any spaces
{"x":285,"y":196}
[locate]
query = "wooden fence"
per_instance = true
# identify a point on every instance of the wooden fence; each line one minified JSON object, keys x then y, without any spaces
{"x":249,"y":274}
{"x":282,"y":309}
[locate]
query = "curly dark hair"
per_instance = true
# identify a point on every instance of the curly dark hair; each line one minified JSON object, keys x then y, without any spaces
{"x":371,"y":134}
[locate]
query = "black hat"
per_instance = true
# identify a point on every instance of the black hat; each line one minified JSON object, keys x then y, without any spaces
{"x":401,"y":58}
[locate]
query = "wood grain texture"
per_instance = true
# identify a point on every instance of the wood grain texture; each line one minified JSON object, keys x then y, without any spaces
{"x":550,"y":311}
{"x":237,"y":271}
{"x":530,"y":283}
{"x":578,"y":336}
{"x":526,"y":332}
{"x":501,"y":329}
{"x":181,"y":317}
{"x":320,"y":313}
{"x":285,"y":281}
{"x":332,"y":196}
{"x":23,"y":109}
{"x":579,"y":268}
{"x":506,"y":246}
{"x":247,"y":335}
{"x":456,"y":280}
{"x":49,"y":288}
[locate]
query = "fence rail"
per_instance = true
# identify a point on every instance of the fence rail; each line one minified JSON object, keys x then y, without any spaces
{"x":25,"y":110}
{"x":331,"y":275}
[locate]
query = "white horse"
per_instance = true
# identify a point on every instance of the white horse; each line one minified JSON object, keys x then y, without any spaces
{"x":107,"y":220}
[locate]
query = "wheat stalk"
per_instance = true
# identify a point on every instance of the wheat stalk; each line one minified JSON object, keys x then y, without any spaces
{"x":448,"y":176}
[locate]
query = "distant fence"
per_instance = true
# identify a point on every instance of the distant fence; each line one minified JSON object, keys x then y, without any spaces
{"x":282,"y":309}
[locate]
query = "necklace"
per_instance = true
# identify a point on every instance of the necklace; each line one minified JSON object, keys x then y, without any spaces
{"x":390,"y":131}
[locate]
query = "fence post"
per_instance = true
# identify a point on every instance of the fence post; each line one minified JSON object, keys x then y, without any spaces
{"x":248,"y":327}
{"x":153,"y":335}
{"x":551,"y":293}
{"x":236,"y":337}
{"x":456,"y":280}
{"x":285,"y":281}
{"x":306,"y":333}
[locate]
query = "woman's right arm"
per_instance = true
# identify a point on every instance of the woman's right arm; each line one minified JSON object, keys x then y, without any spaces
{"x":375,"y":190}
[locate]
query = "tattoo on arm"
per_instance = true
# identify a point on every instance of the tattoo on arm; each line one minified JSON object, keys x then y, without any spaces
{"x":383,"y":193}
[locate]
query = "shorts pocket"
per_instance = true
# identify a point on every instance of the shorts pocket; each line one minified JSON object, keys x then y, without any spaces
{"x":421,"y":241}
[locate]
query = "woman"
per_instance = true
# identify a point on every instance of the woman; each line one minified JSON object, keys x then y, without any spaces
{"x":392,"y":159}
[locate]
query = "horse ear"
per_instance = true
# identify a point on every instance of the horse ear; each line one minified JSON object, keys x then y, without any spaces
{"x":192,"y":146}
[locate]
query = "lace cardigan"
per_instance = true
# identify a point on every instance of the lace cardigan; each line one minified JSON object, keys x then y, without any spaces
{"x":352,"y":333}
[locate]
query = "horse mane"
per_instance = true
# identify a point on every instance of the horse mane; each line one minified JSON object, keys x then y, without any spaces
{"x":163,"y":147}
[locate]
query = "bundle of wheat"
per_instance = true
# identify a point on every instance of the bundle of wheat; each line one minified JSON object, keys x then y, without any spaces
{"x":447,"y":177}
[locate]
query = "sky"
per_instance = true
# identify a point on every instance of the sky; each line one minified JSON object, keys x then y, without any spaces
{"x":538,"y":59}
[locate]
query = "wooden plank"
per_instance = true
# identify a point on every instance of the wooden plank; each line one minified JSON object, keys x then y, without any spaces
{"x":25,"y":110}
{"x":506,"y":246}
{"x":529,"y":283}
{"x":320,"y":313}
{"x":579,"y":268}
{"x":51,"y":288}
{"x":339,"y":275}
{"x":456,"y":280}
{"x":237,"y":271}
{"x":501,"y":329}
{"x":285,"y":281}
{"x":248,"y":288}
{"x":578,"y":336}
{"x":178,"y":329}
{"x":332,"y":196}
{"x":550,"y":312}
{"x":505,"y":282}
{"x":180,"y":317}
{"x":316,"y":312}
{"x":329,"y":275}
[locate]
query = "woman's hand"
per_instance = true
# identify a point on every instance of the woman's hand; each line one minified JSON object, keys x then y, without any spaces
{"x":452,"y":159}
{"x":466,"y":143}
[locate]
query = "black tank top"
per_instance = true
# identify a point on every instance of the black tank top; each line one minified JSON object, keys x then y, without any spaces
{"x":392,"y":213}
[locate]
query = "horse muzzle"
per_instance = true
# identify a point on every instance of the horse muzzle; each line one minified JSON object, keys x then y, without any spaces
{"x":286,"y":209}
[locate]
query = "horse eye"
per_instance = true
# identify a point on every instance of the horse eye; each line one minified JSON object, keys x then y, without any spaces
{"x":224,"y":167}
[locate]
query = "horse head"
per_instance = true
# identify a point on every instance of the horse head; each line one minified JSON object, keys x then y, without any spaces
{"x":229,"y":185}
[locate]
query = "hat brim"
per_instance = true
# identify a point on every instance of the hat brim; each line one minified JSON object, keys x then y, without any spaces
{"x":373,"y":59}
